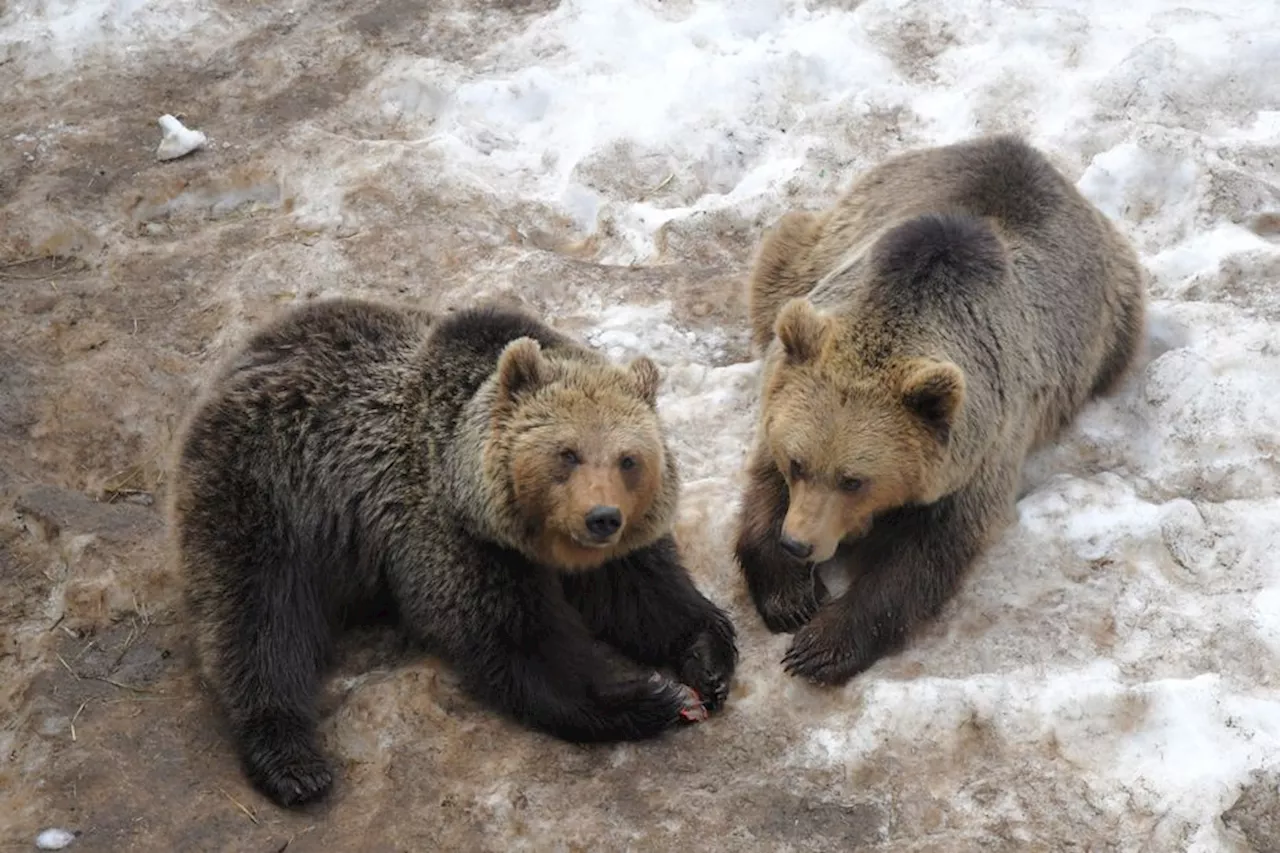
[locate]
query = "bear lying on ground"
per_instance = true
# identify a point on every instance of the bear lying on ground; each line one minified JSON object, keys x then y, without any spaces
{"x":954,"y":310}
{"x":510,"y":491}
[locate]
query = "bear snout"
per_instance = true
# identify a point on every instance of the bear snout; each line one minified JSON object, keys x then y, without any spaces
{"x":603,"y":522}
{"x":796,"y":548}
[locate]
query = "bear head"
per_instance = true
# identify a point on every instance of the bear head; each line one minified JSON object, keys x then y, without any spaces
{"x":578,"y":447}
{"x":851,"y":440}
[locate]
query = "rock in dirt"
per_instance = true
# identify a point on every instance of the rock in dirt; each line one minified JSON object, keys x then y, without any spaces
{"x":1256,"y":812}
{"x":64,"y":511}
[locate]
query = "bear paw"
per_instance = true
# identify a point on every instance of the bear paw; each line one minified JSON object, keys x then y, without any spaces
{"x":824,"y":654}
{"x":787,"y":609}
{"x":296,"y":784}
{"x":708,"y":666}
{"x":284,"y":764}
{"x":643,"y":708}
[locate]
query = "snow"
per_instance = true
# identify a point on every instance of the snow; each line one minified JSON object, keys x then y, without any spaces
{"x":1147,"y":106}
{"x":54,"y":839}
{"x":1128,"y":624}
{"x":53,"y":36}
{"x":177,"y":139}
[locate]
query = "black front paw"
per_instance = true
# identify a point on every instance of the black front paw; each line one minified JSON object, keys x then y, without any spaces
{"x":830,"y":649}
{"x":786,"y":609}
{"x":708,"y":664}
{"x":783,"y":589}
{"x":641,"y":708}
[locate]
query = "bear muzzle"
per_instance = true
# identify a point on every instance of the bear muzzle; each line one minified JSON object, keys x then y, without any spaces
{"x":796,"y":548}
{"x":603,"y":524}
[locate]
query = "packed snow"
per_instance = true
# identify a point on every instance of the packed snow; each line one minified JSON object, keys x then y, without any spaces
{"x":1158,"y":514}
{"x":54,"y":839}
{"x":1121,"y":642}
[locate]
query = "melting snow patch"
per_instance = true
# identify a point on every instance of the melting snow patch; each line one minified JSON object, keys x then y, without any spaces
{"x":626,"y":331}
{"x":54,"y":839}
{"x":177,"y":140}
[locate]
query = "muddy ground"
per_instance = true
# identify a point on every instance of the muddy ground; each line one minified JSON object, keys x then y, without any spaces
{"x":123,"y":280}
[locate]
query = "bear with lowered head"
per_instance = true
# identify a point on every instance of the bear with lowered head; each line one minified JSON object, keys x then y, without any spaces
{"x":954,"y":310}
{"x":508,"y":491}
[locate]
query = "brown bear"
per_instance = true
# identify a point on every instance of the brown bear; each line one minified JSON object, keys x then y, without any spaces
{"x":954,"y":310}
{"x":508,"y":491}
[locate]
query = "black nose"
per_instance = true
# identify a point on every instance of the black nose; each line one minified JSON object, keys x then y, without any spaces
{"x":604,"y":521}
{"x":794,"y":547}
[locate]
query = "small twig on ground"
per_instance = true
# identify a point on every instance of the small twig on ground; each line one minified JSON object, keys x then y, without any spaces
{"x":75,"y":717}
{"x":63,"y":661}
{"x":248,"y":813}
{"x":141,"y":610}
{"x":115,"y":495}
{"x":75,"y":265}
{"x":645,"y":194}
{"x":285,"y":846}
{"x":118,"y":684}
{"x":133,"y":472}
{"x":133,"y":632}
{"x":23,"y":261}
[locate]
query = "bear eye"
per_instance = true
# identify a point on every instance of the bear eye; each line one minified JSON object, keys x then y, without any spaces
{"x":626,"y":463}
{"x":797,"y":470}
{"x":850,"y":484}
{"x":570,"y":457}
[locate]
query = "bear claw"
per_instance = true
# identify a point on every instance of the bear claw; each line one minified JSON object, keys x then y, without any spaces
{"x":296,"y":783}
{"x":707,"y":668}
{"x":645,"y":707}
{"x":282,"y":760}
{"x":695,"y":710}
{"x":297,"y":786}
{"x":814,"y":657}
{"x":784,"y":612}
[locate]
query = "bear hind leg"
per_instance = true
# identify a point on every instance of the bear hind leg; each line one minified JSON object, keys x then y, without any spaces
{"x":1128,"y":327}
{"x":265,"y":653}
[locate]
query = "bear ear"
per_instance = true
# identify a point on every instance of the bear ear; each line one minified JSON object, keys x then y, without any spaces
{"x":933,"y":391}
{"x":647,"y":378}
{"x":802,"y":330}
{"x":521,"y":368}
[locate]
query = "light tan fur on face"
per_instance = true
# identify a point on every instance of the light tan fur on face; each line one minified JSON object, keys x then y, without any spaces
{"x":830,"y":422}
{"x":579,"y":436}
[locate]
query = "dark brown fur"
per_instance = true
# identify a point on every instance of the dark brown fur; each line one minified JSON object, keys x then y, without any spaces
{"x":953,"y":311}
{"x":353,"y":452}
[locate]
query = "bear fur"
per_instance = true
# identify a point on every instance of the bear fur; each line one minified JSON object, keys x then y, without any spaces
{"x":954,"y":310}
{"x":509,"y":492}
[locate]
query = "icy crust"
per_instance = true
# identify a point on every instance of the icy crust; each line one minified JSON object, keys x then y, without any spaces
{"x":57,"y":36}
{"x":1128,"y":623}
{"x":730,"y":103}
